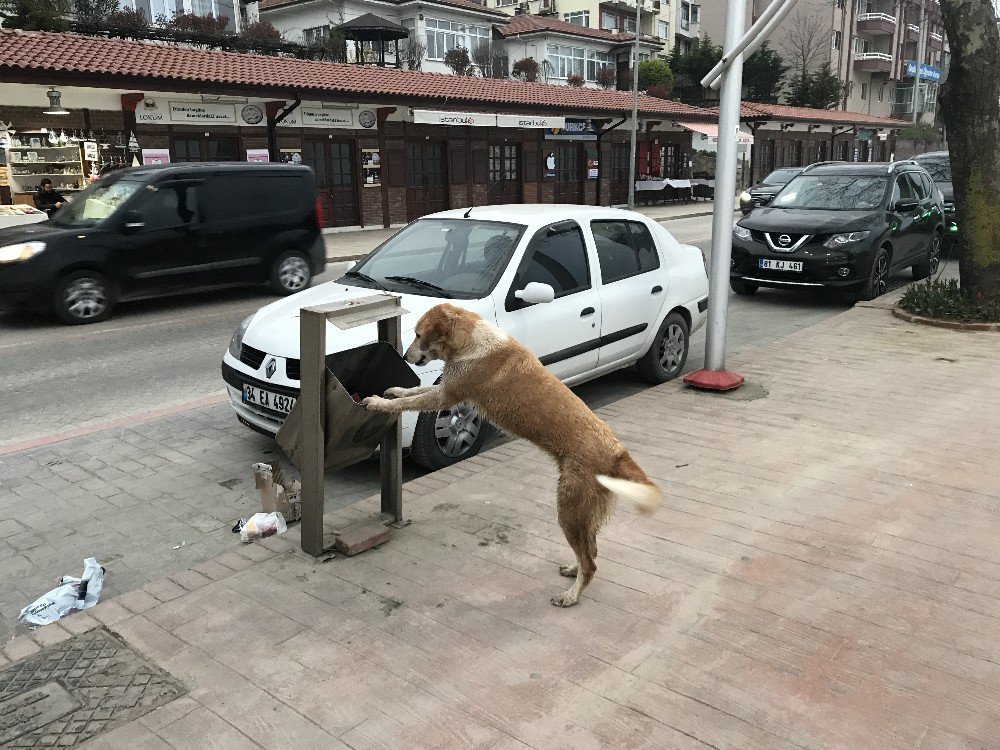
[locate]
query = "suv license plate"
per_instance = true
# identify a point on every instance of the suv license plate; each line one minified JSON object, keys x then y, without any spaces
{"x":781,"y":265}
{"x":267,"y":399}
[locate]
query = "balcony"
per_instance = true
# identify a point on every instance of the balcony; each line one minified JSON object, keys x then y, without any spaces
{"x":873,"y":62}
{"x":876,"y":24}
{"x":935,"y":41}
{"x":912,"y":32}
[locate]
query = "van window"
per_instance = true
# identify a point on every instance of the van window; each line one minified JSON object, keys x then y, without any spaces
{"x":168,"y":206}
{"x":240,"y":197}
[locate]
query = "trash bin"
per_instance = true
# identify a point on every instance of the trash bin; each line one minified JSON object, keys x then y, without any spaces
{"x":352,"y":433}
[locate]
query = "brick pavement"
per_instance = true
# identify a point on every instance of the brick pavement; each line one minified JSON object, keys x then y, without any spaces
{"x":824,"y":574}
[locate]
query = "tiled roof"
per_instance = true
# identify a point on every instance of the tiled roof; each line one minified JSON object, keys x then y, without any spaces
{"x":751,"y":110}
{"x":134,"y":64}
{"x":529,"y":24}
{"x":463,"y":4}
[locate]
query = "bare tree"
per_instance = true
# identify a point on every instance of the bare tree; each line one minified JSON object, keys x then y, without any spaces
{"x":414,"y":53}
{"x":806,"y":45}
{"x":490,"y":58}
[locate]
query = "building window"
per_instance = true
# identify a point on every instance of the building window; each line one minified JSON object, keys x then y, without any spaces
{"x":595,"y":62}
{"x":565,"y":61}
{"x":444,"y":36}
{"x":695,"y":14}
{"x":881,"y":92}
{"x":609,"y":21}
{"x":580,"y":17}
{"x":864,"y":91}
{"x":316,"y":35}
{"x":662,"y":29}
{"x":685,"y":15}
{"x":630,"y":25}
{"x":861,"y":45}
{"x":838,"y":39}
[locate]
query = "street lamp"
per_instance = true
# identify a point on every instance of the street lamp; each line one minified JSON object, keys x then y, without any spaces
{"x":635,"y":103}
{"x":54,"y":108}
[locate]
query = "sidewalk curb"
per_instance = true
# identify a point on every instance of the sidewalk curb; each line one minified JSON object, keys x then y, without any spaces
{"x":953,"y":325}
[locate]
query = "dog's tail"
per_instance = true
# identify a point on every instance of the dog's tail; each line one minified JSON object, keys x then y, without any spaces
{"x":628,"y":481}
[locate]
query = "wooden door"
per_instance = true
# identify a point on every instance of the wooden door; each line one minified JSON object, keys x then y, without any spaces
{"x":619,"y":173}
{"x":426,"y":179}
{"x":504,"y":174}
{"x":336,"y":184}
{"x":569,"y":173}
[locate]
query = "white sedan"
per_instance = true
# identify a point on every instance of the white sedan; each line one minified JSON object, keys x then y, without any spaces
{"x":589,"y":290}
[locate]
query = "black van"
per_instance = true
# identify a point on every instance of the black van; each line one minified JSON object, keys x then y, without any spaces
{"x":151,"y":231}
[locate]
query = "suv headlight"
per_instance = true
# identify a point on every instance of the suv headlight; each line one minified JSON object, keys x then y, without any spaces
{"x":20,"y":251}
{"x":839,"y":240}
{"x":237,"y":341}
{"x":741,"y":233}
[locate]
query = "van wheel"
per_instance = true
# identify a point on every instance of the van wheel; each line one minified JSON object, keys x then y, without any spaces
{"x":443,"y":438}
{"x":668,"y":353}
{"x":84,"y":297}
{"x":290,"y":273}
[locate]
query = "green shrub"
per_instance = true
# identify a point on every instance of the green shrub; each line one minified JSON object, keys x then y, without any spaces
{"x":935,"y":298}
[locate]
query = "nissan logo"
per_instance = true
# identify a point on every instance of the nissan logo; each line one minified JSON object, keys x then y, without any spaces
{"x":784,"y":240}
{"x":271,"y":367}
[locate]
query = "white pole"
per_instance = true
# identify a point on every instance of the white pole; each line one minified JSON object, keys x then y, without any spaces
{"x":725,"y":192}
{"x":762,"y":35}
{"x":918,"y":62}
{"x":635,"y":103}
{"x":750,"y":36}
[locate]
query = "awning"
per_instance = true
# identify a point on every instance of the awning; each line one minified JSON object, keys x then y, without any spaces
{"x":480,"y":119}
{"x":711,"y":130}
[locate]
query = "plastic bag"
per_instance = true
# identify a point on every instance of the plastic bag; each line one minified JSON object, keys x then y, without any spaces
{"x":260,"y":525}
{"x":70,"y":594}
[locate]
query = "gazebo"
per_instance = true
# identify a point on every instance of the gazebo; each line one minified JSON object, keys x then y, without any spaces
{"x":372,"y":28}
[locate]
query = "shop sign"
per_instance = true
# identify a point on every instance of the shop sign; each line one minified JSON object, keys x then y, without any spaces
{"x":371,"y":167}
{"x":472,"y":119}
{"x":527,"y":121}
{"x":927,"y":72}
{"x":573,"y":130}
{"x":593,"y":164}
{"x":151,"y":156}
{"x":258,"y":155}
{"x":202,"y":113}
{"x":319,"y":117}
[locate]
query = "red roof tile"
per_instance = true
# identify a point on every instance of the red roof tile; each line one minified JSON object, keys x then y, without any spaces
{"x":751,"y":110}
{"x":132,"y":63}
{"x":529,"y":24}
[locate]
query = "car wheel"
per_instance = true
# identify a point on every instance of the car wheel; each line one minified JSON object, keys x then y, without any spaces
{"x":84,"y":297}
{"x":878,"y":277}
{"x":443,"y":438}
{"x":743,"y":288}
{"x":666,"y":357}
{"x":291,"y":273}
{"x":930,"y":266}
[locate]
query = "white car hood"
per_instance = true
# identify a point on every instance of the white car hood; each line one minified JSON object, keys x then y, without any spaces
{"x":275,"y":327}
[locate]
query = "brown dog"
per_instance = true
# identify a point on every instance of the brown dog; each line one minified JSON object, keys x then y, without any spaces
{"x":486,"y":367}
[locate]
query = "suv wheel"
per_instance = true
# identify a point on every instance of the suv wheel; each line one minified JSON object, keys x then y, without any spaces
{"x":930,"y":266}
{"x":743,"y":288}
{"x":290,"y":273}
{"x":84,"y":297}
{"x":878,"y":277}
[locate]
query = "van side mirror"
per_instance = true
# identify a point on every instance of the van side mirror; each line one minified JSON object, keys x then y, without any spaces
{"x":536,"y":293}
{"x":905,"y":205}
{"x":133,"y":222}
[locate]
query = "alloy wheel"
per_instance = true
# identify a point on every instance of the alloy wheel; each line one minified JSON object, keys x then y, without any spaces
{"x":456,"y":430}
{"x":880,"y":274}
{"x":935,"y":259}
{"x":672,"y":348}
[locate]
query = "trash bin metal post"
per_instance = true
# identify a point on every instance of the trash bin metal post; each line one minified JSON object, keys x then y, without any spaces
{"x":391,"y":447}
{"x":312,"y":394}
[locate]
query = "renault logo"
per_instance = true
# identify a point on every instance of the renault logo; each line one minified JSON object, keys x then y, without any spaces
{"x":784,"y":240}
{"x":271,"y":367}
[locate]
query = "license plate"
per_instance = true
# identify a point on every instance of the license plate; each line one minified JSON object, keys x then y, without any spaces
{"x":266,"y":399}
{"x":781,"y":265}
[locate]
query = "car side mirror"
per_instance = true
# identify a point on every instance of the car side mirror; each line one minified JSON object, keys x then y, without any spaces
{"x":350,"y":265}
{"x":133,"y":222}
{"x":536,"y":293}
{"x":905,"y":205}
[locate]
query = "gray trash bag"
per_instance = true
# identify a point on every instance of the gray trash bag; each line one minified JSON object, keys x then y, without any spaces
{"x":70,"y":594}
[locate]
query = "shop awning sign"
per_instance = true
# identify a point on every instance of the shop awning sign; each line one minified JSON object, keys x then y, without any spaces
{"x":530,"y":121}
{"x":472,"y":119}
{"x":573,"y":130}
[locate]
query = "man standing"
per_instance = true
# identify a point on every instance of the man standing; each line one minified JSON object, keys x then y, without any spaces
{"x":47,"y":199}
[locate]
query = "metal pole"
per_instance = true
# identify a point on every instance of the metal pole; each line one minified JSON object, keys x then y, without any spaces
{"x":312,"y":398}
{"x":753,"y":33}
{"x":918,"y":62}
{"x":635,"y":102}
{"x":761,"y":37}
{"x":391,"y":447}
{"x":725,"y":195}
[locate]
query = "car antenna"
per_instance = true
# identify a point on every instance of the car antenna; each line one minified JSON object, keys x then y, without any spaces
{"x":489,"y":187}
{"x":466,"y":216}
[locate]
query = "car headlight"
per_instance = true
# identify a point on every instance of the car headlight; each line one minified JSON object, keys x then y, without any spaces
{"x":745,"y":198}
{"x":839,"y":240}
{"x":237,"y":341}
{"x":741,"y":233}
{"x":20,"y":251}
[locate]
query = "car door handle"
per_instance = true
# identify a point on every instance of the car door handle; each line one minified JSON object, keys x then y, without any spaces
{"x":656,"y":289}
{"x":587,"y":311}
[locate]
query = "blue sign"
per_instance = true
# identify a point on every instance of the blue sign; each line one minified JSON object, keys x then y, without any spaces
{"x":927,"y":72}
{"x":575,"y":130}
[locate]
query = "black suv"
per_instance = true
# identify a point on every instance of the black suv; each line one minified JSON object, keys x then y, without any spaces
{"x":846,"y":225}
{"x":938,"y":166}
{"x":764,"y":191}
{"x":150,"y":231}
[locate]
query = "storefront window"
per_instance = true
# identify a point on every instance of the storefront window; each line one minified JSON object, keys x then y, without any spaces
{"x":565,"y":61}
{"x":444,"y":36}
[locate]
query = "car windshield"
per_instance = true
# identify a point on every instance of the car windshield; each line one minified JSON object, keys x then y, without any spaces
{"x":461,"y":258}
{"x":940,"y":169}
{"x":96,"y":203}
{"x":838,"y":192}
{"x":780,"y":176}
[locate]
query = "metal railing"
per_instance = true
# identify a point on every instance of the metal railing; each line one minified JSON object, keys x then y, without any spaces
{"x":883,"y":56}
{"x":877,"y":17}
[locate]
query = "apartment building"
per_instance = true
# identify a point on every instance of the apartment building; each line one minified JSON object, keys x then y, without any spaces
{"x":153,"y":9}
{"x":872,"y":46}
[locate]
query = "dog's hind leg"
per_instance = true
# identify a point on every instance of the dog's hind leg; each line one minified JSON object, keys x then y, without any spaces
{"x":580,"y":528}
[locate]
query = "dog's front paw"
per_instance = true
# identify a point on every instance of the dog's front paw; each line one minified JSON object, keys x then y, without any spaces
{"x":376,"y":403}
{"x":566,"y":599}
{"x":395,"y":392}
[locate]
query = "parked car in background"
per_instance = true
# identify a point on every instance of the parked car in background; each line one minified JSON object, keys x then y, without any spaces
{"x":938,"y":166}
{"x":845,"y":225}
{"x":588,"y":290}
{"x":150,"y":231}
{"x":762,"y":193}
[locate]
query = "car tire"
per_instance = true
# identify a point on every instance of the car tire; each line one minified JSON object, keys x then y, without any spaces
{"x":84,"y":297}
{"x":878,"y":277}
{"x":290,"y":273}
{"x":743,"y":288}
{"x":666,"y":356}
{"x":930,"y":266}
{"x":443,"y":438}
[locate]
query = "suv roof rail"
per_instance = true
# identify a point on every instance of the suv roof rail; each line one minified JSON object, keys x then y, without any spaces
{"x":822,"y":164}
{"x":893,"y":164}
